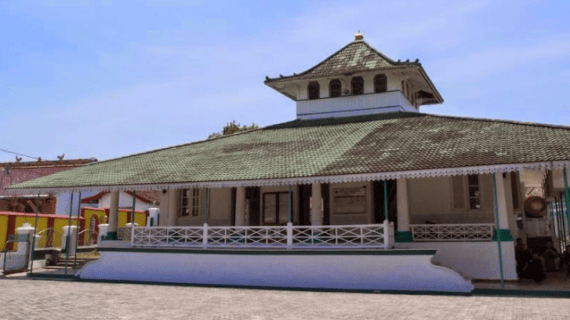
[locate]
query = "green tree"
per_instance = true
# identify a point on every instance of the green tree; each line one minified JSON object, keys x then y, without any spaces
{"x":232,"y":127}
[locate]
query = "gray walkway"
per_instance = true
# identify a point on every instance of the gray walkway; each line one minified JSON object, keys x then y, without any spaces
{"x":41,"y":299}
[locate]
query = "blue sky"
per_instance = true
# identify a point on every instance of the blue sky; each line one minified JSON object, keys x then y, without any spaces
{"x":109,"y":78}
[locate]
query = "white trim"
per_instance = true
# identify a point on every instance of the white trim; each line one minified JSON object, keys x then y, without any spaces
{"x":319,"y":179}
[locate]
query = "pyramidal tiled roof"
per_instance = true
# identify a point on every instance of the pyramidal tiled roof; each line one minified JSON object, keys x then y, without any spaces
{"x":357,"y":56}
{"x":301,"y":149}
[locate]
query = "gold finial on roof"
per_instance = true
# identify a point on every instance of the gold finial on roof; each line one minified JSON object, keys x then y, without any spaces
{"x":358,"y":36}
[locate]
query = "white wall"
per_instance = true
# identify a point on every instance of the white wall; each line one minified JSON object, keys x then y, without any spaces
{"x":220,"y":207}
{"x":125,"y":200}
{"x":62,"y":203}
{"x":393,"y":270}
{"x":476,"y":260}
{"x":353,"y":105}
{"x":432,"y":199}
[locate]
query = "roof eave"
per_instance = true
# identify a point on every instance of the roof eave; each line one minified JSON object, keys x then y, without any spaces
{"x":283,"y":93}
{"x":432,"y":86}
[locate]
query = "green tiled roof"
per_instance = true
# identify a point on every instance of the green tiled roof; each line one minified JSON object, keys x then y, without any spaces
{"x":357,"y":56}
{"x":328,"y":147}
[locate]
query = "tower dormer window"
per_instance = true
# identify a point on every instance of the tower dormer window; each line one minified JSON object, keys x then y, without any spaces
{"x":335,"y":88}
{"x":357,"y":86}
{"x":314,"y":90}
{"x":380,"y":83}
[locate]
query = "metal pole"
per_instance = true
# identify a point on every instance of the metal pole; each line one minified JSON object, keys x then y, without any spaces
{"x":553,"y":224}
{"x":289,"y":212}
{"x":290,"y":219}
{"x":206,"y":193}
{"x":559,"y":222}
{"x":567,"y":195}
{"x":67,"y":242}
{"x":77,"y":233}
{"x":133,"y":211}
{"x":562,"y":218}
{"x":498,"y":226}
{"x":567,"y":222}
{"x":133,"y":216}
{"x":386,"y":200}
{"x":35,"y":231}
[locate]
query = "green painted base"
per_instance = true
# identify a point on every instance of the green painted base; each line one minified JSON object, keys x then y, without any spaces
{"x":403,"y":236}
{"x":503,"y":235}
{"x":111,"y":235}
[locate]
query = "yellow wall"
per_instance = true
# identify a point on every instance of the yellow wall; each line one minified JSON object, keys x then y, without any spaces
{"x":140,"y":218}
{"x":58,"y":225}
{"x":60,"y":222}
{"x":3,"y":231}
{"x":122,"y":218}
{"x":88,"y":214}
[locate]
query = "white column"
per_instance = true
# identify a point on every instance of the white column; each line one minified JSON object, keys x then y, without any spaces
{"x":502,"y":201}
{"x":103,"y":227}
{"x":163,"y":214}
{"x":173,"y":200}
{"x":240,"y":206}
{"x":26,"y":230}
{"x":388,"y":238}
{"x":129,"y":226}
{"x":316,"y":212}
{"x":153,"y":214}
{"x":403,"y":208}
{"x":113,"y":214}
{"x":71,"y":231}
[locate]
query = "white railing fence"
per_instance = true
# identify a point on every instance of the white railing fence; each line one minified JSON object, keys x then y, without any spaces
{"x":452,"y":232}
{"x":353,"y":236}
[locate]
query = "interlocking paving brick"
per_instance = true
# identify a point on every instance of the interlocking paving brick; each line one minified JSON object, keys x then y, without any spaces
{"x":41,"y":299}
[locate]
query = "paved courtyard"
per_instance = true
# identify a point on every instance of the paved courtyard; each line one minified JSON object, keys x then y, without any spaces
{"x":41,"y":299}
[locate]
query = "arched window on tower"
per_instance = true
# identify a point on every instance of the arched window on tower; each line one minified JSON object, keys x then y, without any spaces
{"x":335,"y":88}
{"x":357,"y":84}
{"x":380,"y":83}
{"x":314,"y":90}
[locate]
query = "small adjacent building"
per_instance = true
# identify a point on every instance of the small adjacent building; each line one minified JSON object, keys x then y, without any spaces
{"x":144,"y":200}
{"x":362,"y":191}
{"x":49,"y":203}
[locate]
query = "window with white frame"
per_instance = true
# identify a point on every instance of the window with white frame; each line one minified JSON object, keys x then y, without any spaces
{"x":190,"y":202}
{"x":470,"y":199}
{"x":474,"y":192}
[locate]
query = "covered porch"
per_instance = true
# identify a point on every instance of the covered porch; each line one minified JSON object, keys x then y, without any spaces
{"x":467,"y":219}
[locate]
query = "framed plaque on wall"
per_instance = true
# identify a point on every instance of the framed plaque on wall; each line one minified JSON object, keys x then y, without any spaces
{"x":349,"y":200}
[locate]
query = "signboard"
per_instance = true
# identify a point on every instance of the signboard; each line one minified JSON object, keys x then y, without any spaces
{"x":349,"y":200}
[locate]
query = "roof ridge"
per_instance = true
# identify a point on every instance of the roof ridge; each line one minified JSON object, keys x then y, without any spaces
{"x":382,"y":55}
{"x":313,"y":67}
{"x":533,"y":124}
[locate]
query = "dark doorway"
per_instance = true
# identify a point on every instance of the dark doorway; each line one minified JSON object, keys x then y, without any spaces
{"x":305,"y":191}
{"x":378,"y":190}
{"x":233,"y":217}
{"x":326,"y":204}
{"x":252,"y":196}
